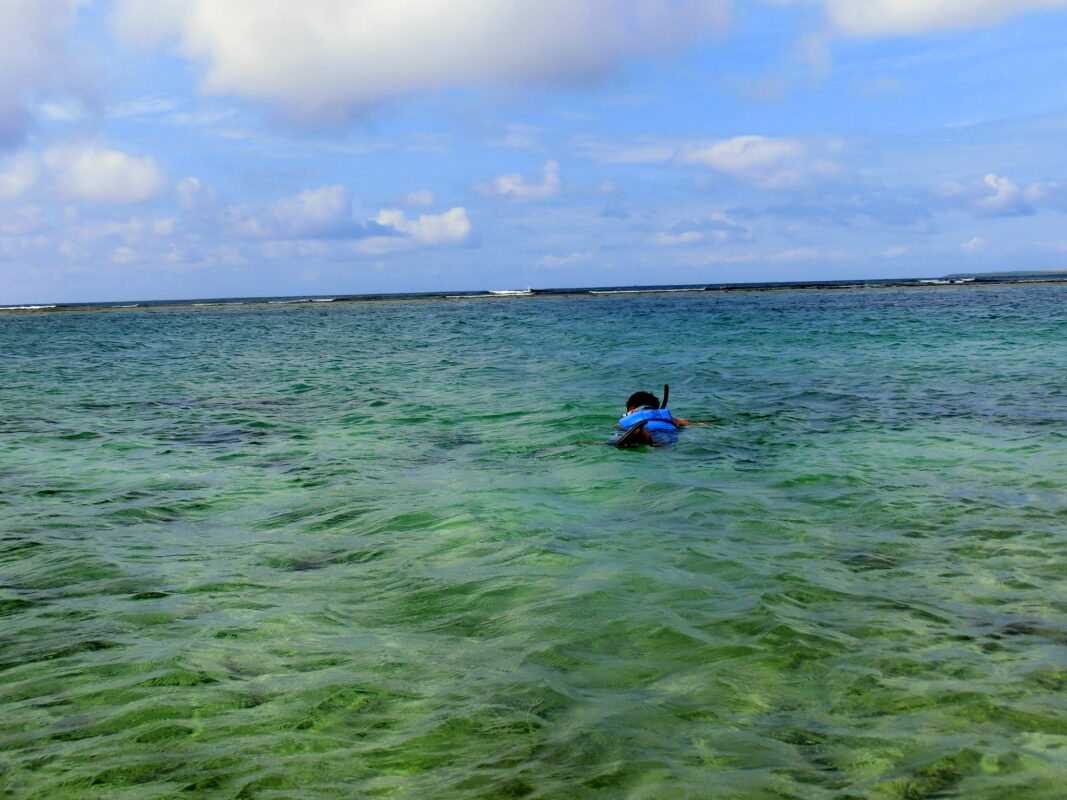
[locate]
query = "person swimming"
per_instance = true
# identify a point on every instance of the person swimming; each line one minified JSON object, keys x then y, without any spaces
{"x":649,"y":422}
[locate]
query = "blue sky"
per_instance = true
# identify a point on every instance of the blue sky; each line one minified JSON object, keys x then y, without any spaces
{"x":166,"y":149}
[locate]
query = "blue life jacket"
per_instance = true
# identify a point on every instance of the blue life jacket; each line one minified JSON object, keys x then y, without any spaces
{"x":659,"y":419}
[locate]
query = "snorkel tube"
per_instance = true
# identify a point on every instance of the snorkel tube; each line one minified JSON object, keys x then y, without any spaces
{"x":666,"y":394}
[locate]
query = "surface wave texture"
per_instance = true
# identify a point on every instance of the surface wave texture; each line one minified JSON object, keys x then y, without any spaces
{"x":379,"y":549}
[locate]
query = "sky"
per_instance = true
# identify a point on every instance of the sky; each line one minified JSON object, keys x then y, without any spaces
{"x":171,"y":149}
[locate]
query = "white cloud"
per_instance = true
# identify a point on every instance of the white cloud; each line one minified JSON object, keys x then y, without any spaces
{"x":420,"y":197}
{"x":66,"y":110}
{"x":33,"y":41}
{"x":147,"y":23}
{"x":553,"y":262}
{"x":241,"y":222}
{"x":315,"y":211}
{"x":765,"y":162}
{"x":125,"y":255}
{"x":190,"y":193}
{"x":86,"y":243}
{"x":1004,"y":198}
{"x":319,"y":221}
{"x":675,"y":239}
{"x":18,"y":175}
{"x":144,"y":107}
{"x":451,"y":227}
{"x":717,"y":227}
{"x":218,"y":120}
{"x":381,"y":245}
{"x":998,"y":196}
{"x":336,"y":58}
{"x":973,"y":246}
{"x":1047,"y":194}
{"x":90,"y":171}
{"x":514,"y":187}
{"x":135,"y":230}
{"x":909,"y":17}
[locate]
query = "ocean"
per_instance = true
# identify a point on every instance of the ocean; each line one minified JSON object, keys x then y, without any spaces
{"x":380,"y":549}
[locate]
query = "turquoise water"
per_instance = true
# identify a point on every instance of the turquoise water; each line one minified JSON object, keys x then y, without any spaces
{"x":365,"y":550}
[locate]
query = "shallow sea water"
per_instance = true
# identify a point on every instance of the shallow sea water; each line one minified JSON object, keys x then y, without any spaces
{"x":366,"y":550}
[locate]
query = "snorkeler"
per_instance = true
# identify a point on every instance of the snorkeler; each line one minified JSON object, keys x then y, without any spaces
{"x":649,"y":422}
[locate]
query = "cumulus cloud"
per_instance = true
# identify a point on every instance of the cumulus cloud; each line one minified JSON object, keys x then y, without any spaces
{"x":144,"y":107}
{"x":315,"y":212}
{"x":65,"y":110}
{"x":398,"y":233}
{"x":1003,"y":199}
{"x":769,"y":163}
{"x":311,"y":214}
{"x":675,"y":239}
{"x":909,"y":17}
{"x":33,"y":41}
{"x":319,"y":221}
{"x":337,"y":58}
{"x":766,"y":162}
{"x":192,"y":194}
{"x":91,"y":171}
{"x":998,"y":196}
{"x":1047,"y":194}
{"x":127,"y":230}
{"x":717,"y":228}
{"x":115,"y":240}
{"x":451,"y":227}
{"x":516,"y":188}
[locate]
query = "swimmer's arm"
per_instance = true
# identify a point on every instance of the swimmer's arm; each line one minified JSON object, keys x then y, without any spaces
{"x":684,"y":422}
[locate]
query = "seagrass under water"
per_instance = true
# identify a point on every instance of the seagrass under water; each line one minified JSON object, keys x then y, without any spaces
{"x":361,"y":550}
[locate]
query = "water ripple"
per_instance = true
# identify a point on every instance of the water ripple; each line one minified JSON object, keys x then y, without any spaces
{"x":360,"y":550}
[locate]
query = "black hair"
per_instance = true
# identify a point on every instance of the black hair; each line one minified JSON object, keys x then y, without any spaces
{"x":638,"y":399}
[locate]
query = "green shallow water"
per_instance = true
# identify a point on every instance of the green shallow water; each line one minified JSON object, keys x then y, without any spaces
{"x":364,"y":550}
